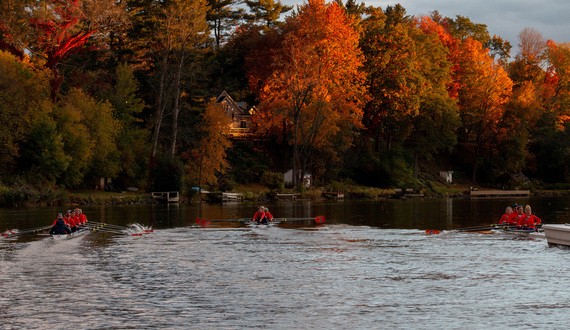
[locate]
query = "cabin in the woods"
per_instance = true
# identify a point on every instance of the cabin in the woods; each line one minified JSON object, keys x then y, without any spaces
{"x":288,"y":178}
{"x":239,"y":113}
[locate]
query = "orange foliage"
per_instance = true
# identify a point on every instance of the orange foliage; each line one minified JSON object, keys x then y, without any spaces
{"x":556,"y":90}
{"x":316,"y":59}
{"x":308,"y":80}
{"x":428,"y":26}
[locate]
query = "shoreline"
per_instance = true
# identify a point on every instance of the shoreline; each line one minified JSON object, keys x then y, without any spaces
{"x":256,"y":194}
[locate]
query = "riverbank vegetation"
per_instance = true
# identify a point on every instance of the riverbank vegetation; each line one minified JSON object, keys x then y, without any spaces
{"x":364,"y":99}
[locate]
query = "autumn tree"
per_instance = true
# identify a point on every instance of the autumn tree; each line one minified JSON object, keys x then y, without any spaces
{"x":266,"y":12}
{"x":13,"y":26}
{"x":528,"y":63}
{"x":485,"y":89}
{"x":208,"y":159}
{"x":223,"y":16}
{"x":435,"y":126}
{"x":480,"y":85}
{"x":315,"y":84}
{"x":23,"y":92}
{"x":557,"y":82}
{"x":90,"y":137}
{"x":132,"y":138}
{"x":182,"y":30}
{"x":550,"y":142}
{"x":62,"y":27}
{"x":395,"y":83}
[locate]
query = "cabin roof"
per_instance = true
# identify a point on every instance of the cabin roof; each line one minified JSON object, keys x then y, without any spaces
{"x":228,"y":99}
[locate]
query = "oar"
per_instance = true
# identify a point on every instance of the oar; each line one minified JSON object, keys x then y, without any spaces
{"x":138,"y":227}
{"x":467,"y":229}
{"x":205,"y":222}
{"x":319,"y":219}
{"x":103,"y":227}
{"x":9,"y":233}
{"x":107,"y":225}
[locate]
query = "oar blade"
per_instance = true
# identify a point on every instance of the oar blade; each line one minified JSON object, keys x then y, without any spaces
{"x":320,"y":219}
{"x":432,"y":232}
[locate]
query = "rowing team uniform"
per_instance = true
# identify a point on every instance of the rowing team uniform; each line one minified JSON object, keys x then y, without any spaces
{"x":510,"y":219}
{"x":521,"y":220}
{"x":262,"y":217}
{"x":529,"y":221}
{"x":73,"y":223}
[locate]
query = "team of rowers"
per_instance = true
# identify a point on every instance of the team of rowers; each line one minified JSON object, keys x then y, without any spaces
{"x":71,"y":222}
{"x":515,"y":216}
{"x":262,"y":216}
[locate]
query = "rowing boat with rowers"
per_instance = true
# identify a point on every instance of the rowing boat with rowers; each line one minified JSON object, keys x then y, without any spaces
{"x":251,"y":223}
{"x":514,"y":230}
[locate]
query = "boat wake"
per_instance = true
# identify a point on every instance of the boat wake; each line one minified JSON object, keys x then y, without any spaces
{"x":136,"y":229}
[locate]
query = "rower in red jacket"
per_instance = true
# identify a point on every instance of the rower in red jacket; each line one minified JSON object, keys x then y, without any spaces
{"x":259,"y":216}
{"x":82,"y":216}
{"x":69,"y":220}
{"x":267,"y":214}
{"x":529,"y":220}
{"x":516,"y":215}
{"x":75,"y":217}
{"x":505,"y":219}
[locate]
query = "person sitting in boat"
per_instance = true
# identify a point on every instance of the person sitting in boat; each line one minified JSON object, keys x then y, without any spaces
{"x":70,"y":221}
{"x":267,"y":214}
{"x":60,"y":216}
{"x":529,"y":220}
{"x":516,"y":215}
{"x":505,"y":219}
{"x":82,"y":217}
{"x":74,"y":218}
{"x":513,"y":219}
{"x":59,"y":227}
{"x":259,"y":216}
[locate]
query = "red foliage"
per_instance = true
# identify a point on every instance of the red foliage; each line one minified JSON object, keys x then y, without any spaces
{"x":58,"y":38}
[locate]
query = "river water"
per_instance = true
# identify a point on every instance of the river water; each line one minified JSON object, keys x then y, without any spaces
{"x":370,"y":266}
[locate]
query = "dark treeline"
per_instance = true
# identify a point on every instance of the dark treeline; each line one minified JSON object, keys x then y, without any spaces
{"x":347,"y":92}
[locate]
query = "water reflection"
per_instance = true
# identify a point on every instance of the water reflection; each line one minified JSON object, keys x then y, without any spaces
{"x":403,"y":214}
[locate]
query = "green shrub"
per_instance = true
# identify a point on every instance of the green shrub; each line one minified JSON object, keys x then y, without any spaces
{"x":272,"y":180}
{"x":311,"y":193}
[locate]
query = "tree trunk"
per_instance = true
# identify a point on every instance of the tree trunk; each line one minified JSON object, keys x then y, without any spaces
{"x":176,"y":109}
{"x":476,"y":160}
{"x":160,"y":107}
{"x":416,"y":166}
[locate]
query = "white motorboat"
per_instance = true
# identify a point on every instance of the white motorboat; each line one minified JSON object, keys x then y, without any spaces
{"x":557,"y":234}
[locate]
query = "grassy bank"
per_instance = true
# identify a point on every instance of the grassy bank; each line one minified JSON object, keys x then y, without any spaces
{"x":27,"y":195}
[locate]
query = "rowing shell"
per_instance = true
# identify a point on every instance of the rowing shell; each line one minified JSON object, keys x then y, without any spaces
{"x":250,"y":222}
{"x":253,"y":224}
{"x":525,"y":233}
{"x":72,"y":235}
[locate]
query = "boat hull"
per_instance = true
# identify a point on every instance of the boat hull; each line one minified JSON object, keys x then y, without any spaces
{"x":558,"y":234}
{"x":78,"y":233}
{"x":524,"y":233}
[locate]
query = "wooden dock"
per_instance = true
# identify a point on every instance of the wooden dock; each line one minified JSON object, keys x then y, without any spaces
{"x":406,"y":193}
{"x":287,"y":196}
{"x":338,"y":195}
{"x":231,"y":197}
{"x":166,"y":196}
{"x":497,"y":193}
